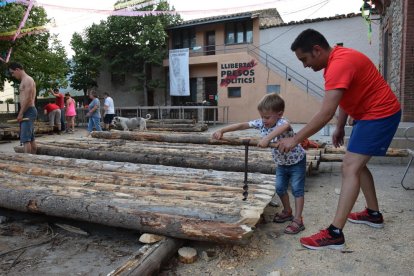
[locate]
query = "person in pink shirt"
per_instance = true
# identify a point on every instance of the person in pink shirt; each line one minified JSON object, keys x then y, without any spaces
{"x":70,"y":113}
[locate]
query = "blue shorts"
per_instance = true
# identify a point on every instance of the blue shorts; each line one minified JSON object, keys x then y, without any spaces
{"x":373,"y":137}
{"x":296,"y":174}
{"x":27,"y":127}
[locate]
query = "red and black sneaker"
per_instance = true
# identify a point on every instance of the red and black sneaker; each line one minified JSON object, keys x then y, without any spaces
{"x":365,"y":218}
{"x":323,"y":240}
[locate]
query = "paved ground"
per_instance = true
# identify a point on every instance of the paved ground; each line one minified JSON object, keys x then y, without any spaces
{"x":387,"y":251}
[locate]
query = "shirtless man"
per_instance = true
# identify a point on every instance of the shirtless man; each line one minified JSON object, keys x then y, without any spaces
{"x":27,"y":94}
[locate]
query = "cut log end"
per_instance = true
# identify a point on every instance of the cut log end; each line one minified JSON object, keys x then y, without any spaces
{"x":150,"y":238}
{"x":187,"y":255}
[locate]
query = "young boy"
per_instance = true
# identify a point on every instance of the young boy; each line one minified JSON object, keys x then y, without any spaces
{"x":290,"y":166}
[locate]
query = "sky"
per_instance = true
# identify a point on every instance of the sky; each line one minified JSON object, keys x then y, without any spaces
{"x":75,"y":15}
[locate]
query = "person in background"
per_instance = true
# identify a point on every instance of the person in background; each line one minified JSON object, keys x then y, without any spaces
{"x":353,"y":83}
{"x":94,"y":113}
{"x":70,"y":113}
{"x":28,"y":111}
{"x":60,"y":101}
{"x":109,"y":111}
{"x":53,"y":112}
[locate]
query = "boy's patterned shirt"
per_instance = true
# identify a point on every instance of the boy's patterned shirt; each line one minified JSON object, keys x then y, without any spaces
{"x":290,"y":158}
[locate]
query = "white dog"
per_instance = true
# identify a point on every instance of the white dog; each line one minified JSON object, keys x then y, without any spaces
{"x":131,"y":123}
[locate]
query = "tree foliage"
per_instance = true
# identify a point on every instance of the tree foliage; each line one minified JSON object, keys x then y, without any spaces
{"x":127,"y":44}
{"x":42,"y":54}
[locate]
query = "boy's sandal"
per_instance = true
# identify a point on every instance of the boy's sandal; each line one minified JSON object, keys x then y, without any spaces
{"x":282,"y":217}
{"x":294,"y":227}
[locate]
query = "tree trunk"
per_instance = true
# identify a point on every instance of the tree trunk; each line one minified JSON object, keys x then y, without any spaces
{"x":183,"y":203}
{"x":176,"y":138}
{"x":149,"y":258}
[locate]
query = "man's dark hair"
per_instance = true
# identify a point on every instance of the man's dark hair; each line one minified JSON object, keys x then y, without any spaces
{"x":55,"y":90}
{"x":14,"y":65}
{"x":307,"y":39}
{"x":106,"y":94}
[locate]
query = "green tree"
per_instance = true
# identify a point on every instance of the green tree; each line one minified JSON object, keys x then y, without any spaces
{"x":42,"y":55}
{"x":87,"y":59}
{"x":129,"y":45}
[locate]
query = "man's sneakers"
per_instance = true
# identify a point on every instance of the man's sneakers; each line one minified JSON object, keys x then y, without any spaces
{"x":324,"y":240}
{"x":365,"y":217}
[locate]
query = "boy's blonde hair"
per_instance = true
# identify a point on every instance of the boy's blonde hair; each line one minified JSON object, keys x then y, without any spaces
{"x":271,"y":102}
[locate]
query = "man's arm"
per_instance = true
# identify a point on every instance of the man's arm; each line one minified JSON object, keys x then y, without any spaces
{"x":329,"y":105}
{"x":339,"y":134}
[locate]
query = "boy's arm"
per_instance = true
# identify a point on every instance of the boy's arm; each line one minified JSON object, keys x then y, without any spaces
{"x":240,"y":126}
{"x":264,"y":142}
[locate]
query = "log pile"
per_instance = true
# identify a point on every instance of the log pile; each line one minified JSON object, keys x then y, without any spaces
{"x":183,"y":203}
{"x":332,"y":154}
{"x":12,"y":131}
{"x":222,"y":158}
{"x":176,"y":125}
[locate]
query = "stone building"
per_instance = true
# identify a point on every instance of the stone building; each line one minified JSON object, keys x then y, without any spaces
{"x":396,"y":50}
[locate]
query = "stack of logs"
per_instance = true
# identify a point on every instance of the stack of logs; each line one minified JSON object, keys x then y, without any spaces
{"x":182,"y":150}
{"x":183,"y":203}
{"x":176,"y":125}
{"x":12,"y":131}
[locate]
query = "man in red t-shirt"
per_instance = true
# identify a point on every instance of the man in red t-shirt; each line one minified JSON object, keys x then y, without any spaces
{"x":60,"y":101}
{"x":352,"y":83}
{"x":53,"y":112}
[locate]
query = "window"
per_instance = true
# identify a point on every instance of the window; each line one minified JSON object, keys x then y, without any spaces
{"x":239,"y":32}
{"x":273,"y":88}
{"x":184,"y":38}
{"x":234,"y":92}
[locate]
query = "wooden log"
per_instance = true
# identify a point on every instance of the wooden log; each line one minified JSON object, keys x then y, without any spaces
{"x":216,"y":162}
{"x":172,"y":121}
{"x":187,"y":255}
{"x":176,"y":138}
{"x":150,"y":238}
{"x":391,"y":152}
{"x":140,"y":197}
{"x":194,"y":128}
{"x":148,"y":259}
{"x":13,"y":121}
{"x":332,"y":157}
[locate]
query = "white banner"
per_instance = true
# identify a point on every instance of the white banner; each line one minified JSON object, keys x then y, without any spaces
{"x":179,"y":73}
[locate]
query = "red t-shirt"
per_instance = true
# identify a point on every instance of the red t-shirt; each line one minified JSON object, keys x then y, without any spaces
{"x":50,"y":107}
{"x":60,"y":101}
{"x":367,"y":95}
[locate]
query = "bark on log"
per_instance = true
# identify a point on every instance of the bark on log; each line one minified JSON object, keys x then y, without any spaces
{"x":218,"y":161}
{"x":331,"y":157}
{"x":391,"y":152}
{"x":176,"y":138}
{"x":182,"y":203}
{"x":172,"y":121}
{"x":149,"y":258}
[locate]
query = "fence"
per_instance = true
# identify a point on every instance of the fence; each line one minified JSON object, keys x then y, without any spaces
{"x":202,"y":114}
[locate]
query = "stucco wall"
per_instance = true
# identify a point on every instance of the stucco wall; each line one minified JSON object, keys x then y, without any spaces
{"x":299,"y":107}
{"x":352,"y":32}
{"x":123,"y":95}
